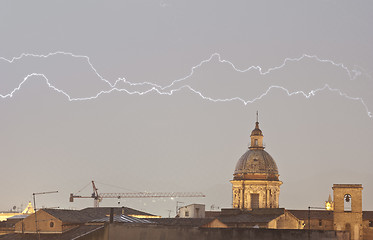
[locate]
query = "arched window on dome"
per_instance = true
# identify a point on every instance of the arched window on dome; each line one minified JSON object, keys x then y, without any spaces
{"x":256,"y":142}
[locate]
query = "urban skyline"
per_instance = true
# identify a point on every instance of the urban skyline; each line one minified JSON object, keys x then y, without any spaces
{"x":222,"y":62}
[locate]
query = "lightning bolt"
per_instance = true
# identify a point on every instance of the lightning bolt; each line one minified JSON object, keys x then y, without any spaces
{"x":163,"y":90}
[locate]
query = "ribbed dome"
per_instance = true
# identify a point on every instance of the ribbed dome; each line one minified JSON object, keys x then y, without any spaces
{"x":256,"y":164}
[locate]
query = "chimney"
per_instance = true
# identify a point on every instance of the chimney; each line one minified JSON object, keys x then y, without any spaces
{"x":111,"y":215}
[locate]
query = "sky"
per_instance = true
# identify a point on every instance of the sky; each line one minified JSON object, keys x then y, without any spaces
{"x":161,"y":96}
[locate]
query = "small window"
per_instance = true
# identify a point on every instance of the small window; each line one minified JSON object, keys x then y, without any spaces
{"x":51,"y":224}
{"x":186,"y":214}
{"x":256,"y":142}
{"x":320,"y":222}
{"x":254,"y":200}
{"x":370,"y":223}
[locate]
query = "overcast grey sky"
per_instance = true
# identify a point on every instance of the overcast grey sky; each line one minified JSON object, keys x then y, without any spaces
{"x":186,"y":136}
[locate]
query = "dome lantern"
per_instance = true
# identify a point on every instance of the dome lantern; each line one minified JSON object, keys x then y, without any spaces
{"x":256,"y":138}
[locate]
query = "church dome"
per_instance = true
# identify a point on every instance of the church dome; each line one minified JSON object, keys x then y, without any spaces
{"x":256,"y":163}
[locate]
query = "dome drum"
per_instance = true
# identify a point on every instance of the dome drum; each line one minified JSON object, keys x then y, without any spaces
{"x":255,"y":176}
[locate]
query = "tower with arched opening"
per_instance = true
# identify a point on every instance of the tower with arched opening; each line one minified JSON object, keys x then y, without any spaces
{"x":348,"y":209}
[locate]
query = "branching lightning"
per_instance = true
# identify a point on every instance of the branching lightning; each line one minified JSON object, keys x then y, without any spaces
{"x":168,"y":90}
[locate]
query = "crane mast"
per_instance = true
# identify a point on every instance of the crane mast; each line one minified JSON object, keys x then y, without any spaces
{"x":97,"y":197}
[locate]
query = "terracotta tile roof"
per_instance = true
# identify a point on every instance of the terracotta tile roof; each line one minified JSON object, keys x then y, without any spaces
{"x":323,"y":214}
{"x":191,"y":222}
{"x":249,"y":217}
{"x":314,"y":214}
{"x":212,"y":214}
{"x":260,"y":215}
{"x":101,"y":212}
{"x":123,"y":219}
{"x":300,"y":214}
{"x":71,"y":234}
{"x":67,"y":216}
{"x":89,"y":214}
{"x":367,"y":215}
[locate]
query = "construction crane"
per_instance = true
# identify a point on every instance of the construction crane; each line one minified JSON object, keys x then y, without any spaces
{"x":97,"y":197}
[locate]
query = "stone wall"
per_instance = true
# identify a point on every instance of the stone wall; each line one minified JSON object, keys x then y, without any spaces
{"x":100,"y":234}
{"x":154,"y":232}
{"x":367,"y":231}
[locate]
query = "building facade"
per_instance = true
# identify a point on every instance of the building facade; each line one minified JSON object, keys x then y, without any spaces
{"x":192,"y":211}
{"x":346,"y":213}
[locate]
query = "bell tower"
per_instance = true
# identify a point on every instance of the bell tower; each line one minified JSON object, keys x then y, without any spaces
{"x":348,"y":209}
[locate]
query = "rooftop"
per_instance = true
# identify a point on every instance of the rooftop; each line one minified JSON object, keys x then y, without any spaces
{"x":71,"y":234}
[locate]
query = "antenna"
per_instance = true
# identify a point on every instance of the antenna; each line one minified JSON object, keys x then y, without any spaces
{"x":36,"y":220}
{"x":169,"y":213}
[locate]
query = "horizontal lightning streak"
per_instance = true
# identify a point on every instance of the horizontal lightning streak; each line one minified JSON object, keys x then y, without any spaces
{"x":353,"y":74}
